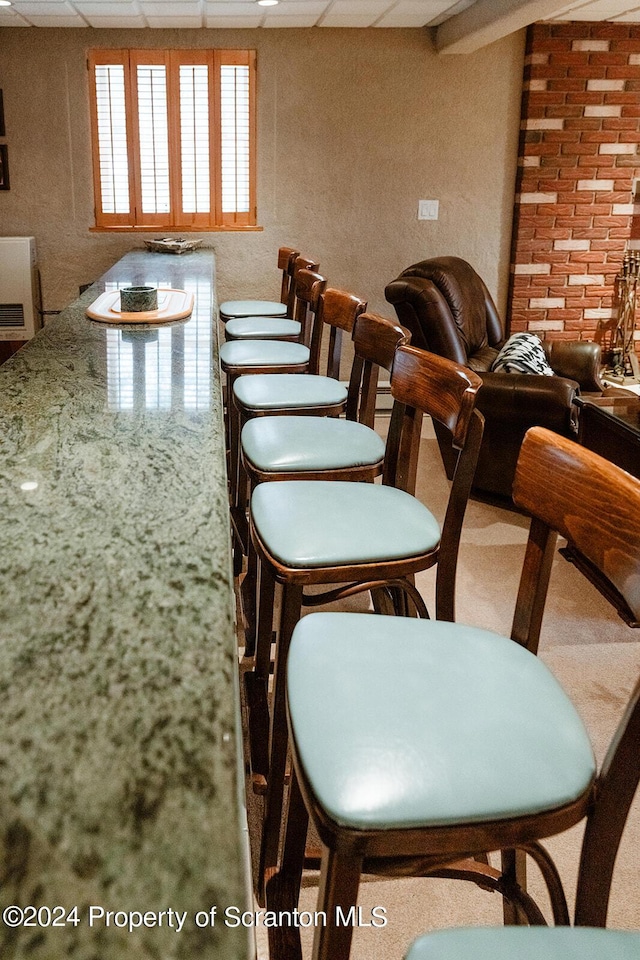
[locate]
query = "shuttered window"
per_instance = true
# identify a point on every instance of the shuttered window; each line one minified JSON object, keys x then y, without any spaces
{"x":173,"y":136}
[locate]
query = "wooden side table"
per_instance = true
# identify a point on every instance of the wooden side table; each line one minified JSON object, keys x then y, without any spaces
{"x":610,"y":426}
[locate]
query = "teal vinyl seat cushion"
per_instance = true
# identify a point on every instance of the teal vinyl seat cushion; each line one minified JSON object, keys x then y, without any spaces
{"x":527,"y":943}
{"x":262,"y":328}
{"x":319,"y":523}
{"x":401,"y":723}
{"x":253,"y":308}
{"x":279,"y":391}
{"x":258,"y":353}
{"x":309,"y":443}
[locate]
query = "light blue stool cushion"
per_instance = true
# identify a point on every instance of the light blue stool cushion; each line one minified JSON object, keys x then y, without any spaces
{"x":253,"y":308}
{"x":258,"y":353}
{"x":319,"y":523}
{"x":527,"y":943}
{"x":280,"y":391}
{"x":403,"y":723}
{"x":309,"y":443}
{"x":261,"y":328}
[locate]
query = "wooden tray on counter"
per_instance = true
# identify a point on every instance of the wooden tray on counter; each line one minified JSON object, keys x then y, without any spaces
{"x":172,"y":305}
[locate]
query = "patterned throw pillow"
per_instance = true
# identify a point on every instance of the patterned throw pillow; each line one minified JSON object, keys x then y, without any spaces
{"x":522,"y":353}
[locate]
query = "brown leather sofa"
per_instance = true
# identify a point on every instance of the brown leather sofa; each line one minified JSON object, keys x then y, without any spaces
{"x":449,"y":311}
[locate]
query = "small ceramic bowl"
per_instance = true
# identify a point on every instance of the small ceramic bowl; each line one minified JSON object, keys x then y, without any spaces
{"x":138,"y":299}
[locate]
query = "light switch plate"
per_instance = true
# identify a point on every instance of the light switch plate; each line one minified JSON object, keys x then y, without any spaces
{"x":428,"y":209}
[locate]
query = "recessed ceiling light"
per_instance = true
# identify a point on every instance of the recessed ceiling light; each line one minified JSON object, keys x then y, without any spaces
{"x":267,"y":3}
{"x":5,"y":3}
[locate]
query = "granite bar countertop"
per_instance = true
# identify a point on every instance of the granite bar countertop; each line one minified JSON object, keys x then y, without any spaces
{"x":119,"y":752}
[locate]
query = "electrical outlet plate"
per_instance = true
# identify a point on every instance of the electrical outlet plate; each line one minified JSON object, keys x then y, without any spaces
{"x":428,"y":209}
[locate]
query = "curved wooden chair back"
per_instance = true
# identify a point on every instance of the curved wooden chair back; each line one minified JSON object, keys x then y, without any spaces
{"x":309,"y":286}
{"x":596,"y":506}
{"x":338,"y":312}
{"x":286,"y":262}
{"x":375,"y":341}
{"x":422,"y":382}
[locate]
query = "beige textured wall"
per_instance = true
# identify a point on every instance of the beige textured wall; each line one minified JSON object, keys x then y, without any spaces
{"x":355,"y":126}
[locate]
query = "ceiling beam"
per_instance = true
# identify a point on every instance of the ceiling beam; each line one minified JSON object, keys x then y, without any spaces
{"x":489,"y":20}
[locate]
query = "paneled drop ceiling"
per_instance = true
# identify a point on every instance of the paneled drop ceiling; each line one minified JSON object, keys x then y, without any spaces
{"x":459,"y":27}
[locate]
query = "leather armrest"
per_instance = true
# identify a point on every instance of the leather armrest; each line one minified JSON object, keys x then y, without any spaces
{"x":578,"y":360}
{"x":529,"y":400}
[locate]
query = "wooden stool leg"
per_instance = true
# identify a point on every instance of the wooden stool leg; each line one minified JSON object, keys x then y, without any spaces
{"x":278,"y":737}
{"x":249,"y":590}
{"x":514,"y":866}
{"x":233,"y":433}
{"x":248,"y":593}
{"x":239,"y":503}
{"x":295,"y":838}
{"x":256,"y":684}
{"x":338,"y":894}
{"x":283,"y":889}
{"x":265,"y":592}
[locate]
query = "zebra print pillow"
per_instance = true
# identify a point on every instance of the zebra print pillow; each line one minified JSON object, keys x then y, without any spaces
{"x":522,"y":353}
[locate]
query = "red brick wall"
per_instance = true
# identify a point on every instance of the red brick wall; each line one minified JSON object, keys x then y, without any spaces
{"x":574,"y":211}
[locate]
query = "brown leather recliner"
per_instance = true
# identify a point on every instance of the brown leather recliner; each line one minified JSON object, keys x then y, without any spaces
{"x":449,"y":311}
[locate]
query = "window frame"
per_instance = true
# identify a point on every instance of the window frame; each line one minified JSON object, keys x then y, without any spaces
{"x":176,"y":219}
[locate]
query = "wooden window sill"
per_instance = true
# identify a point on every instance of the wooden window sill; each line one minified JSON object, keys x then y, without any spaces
{"x":177,"y":230}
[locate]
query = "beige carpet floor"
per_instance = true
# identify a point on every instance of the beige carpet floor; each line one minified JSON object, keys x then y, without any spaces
{"x":594,"y":655}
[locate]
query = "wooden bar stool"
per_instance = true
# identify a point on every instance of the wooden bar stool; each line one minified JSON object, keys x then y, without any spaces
{"x":322,"y":448}
{"x":264,"y":327}
{"x":241,"y":358}
{"x":361,"y":536}
{"x":266,"y":308}
{"x":293,"y":447}
{"x":419,"y":743}
{"x":278,"y":394}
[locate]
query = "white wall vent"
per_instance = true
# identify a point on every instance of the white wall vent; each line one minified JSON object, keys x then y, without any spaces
{"x":19,"y":288}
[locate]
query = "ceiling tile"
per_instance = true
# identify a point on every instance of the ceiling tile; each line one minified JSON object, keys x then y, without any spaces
{"x":59,"y":20}
{"x":354,"y":13}
{"x":155,"y":9}
{"x":193,"y":14}
{"x":293,"y":21}
{"x":106,"y":8}
{"x":240,"y":8}
{"x":297,"y":8}
{"x":9,"y":18}
{"x":117,"y":20}
{"x":45,"y":8}
{"x":233,"y":22}
{"x":175,"y":23}
{"x":413,"y":13}
{"x":595,"y":10}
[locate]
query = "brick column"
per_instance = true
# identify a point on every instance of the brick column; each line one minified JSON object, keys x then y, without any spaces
{"x":578,"y":160}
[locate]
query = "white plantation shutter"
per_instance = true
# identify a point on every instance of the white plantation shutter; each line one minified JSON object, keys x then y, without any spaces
{"x":153,"y":128}
{"x":194,"y":138}
{"x":234,"y":135}
{"x":112,"y":138}
{"x":174,"y":138}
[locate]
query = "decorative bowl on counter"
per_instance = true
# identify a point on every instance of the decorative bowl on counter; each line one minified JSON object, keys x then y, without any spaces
{"x":171,"y":245}
{"x":138,"y":299}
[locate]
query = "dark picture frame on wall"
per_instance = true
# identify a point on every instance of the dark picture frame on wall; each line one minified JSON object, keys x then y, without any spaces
{"x":4,"y":167}
{"x":2,"y":128}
